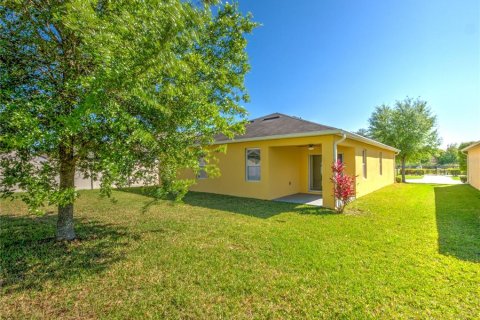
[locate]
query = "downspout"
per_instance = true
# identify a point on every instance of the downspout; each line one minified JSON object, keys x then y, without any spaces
{"x":335,"y":144}
{"x":335,"y":158}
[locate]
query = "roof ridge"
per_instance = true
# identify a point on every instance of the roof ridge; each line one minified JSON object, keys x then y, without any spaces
{"x":298,"y":118}
{"x":265,"y":116}
{"x":295,"y":118}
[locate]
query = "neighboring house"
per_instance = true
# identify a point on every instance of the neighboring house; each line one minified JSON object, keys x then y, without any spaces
{"x":473,"y":164}
{"x":81,"y":182}
{"x":281,"y":155}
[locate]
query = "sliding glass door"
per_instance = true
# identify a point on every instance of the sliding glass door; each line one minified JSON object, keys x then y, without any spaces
{"x":315,"y":173}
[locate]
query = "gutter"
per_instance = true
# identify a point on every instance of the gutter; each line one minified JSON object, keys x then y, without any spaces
{"x":281,"y":136}
{"x":360,"y":138}
{"x":349,"y":135}
{"x":335,"y":147}
{"x":470,"y":147}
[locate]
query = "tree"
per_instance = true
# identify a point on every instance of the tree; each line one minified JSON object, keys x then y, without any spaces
{"x":409,"y":126}
{"x":449,"y":155}
{"x":110,"y":89}
{"x":462,"y":157}
{"x":363,"y":132}
{"x":343,"y":186}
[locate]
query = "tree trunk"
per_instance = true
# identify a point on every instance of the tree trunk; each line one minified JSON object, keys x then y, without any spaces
{"x":403,"y":170}
{"x":65,"y":229}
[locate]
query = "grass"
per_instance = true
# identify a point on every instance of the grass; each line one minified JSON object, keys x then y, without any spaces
{"x":406,"y":251}
{"x":411,"y":177}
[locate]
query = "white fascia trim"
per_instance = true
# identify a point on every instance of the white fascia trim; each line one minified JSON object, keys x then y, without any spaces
{"x":312,"y":134}
{"x":470,"y":146}
{"x":372,"y":142}
{"x":282,"y":136}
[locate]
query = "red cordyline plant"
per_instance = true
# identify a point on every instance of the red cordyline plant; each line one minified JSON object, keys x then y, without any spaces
{"x":344,"y":186}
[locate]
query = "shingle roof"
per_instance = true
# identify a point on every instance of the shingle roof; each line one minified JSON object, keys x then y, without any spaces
{"x":277,"y":124}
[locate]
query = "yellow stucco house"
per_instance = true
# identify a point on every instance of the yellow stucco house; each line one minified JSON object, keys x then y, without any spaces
{"x":281,"y":155}
{"x":473,"y":164}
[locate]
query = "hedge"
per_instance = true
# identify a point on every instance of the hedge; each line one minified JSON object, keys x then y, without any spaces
{"x":442,"y":172}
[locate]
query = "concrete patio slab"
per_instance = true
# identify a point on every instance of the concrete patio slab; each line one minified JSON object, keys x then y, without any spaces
{"x":303,"y":198}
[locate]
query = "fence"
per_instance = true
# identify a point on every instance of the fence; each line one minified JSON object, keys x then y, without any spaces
{"x":438,"y":172}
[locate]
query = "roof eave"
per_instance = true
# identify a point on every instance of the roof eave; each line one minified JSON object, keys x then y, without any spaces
{"x":473,"y":145}
{"x":311,"y":134}
{"x":366,"y":140}
{"x":281,"y":136}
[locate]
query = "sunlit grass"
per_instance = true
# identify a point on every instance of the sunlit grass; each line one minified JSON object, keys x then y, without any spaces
{"x":411,"y":177}
{"x":406,"y":251}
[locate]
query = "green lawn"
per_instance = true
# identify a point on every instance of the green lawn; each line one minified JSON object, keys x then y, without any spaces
{"x":406,"y":251}
{"x":411,"y":177}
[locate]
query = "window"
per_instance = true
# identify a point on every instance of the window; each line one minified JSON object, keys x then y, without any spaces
{"x":340,"y":157}
{"x":380,"y":157}
{"x":364,"y":163}
{"x":202,"y":174}
{"x":253,"y":164}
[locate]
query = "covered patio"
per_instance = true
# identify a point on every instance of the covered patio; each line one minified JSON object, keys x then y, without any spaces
{"x":303,"y":198}
{"x":300,"y":170}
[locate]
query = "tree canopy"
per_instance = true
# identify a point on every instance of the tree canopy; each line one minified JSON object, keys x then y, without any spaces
{"x":462,"y":157}
{"x":111,"y":89}
{"x":409,"y":126}
{"x":449,"y":155}
{"x":363,"y":132}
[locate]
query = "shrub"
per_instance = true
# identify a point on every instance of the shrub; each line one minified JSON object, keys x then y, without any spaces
{"x":415,"y":172}
{"x":463,"y":179}
{"x":398,"y":179}
{"x":343,"y":186}
{"x":437,"y":171}
{"x":454,"y":172}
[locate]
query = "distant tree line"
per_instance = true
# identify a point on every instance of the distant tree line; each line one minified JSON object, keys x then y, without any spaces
{"x":410,"y":126}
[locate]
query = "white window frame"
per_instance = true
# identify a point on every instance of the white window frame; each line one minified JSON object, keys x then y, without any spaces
{"x":202,"y":173}
{"x":380,"y":156}
{"x":247,"y":166}
{"x":364,"y":163}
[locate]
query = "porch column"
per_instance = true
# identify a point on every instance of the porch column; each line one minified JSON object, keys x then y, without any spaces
{"x":327,"y":161}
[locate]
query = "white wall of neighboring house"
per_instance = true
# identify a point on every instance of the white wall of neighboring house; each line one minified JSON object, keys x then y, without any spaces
{"x":82,"y":183}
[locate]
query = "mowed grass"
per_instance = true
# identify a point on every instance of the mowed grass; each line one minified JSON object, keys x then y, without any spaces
{"x":411,"y":177}
{"x":406,"y":251}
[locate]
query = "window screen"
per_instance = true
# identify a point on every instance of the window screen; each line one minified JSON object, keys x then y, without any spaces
{"x":253,"y":164}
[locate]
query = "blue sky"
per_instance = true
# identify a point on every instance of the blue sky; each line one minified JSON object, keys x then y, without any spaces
{"x":333,"y":61}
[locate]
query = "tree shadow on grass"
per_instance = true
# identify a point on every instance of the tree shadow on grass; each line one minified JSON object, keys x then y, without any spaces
{"x":30,"y":256}
{"x":458,"y":221}
{"x":262,"y":209}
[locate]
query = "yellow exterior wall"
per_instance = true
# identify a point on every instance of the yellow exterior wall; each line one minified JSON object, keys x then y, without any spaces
{"x":473,"y":166}
{"x":327,"y":161}
{"x":294,"y":166}
{"x":374,"y":180}
{"x":232,"y":180}
{"x":304,"y":167}
{"x":348,"y":159}
{"x":285,"y":169}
